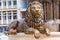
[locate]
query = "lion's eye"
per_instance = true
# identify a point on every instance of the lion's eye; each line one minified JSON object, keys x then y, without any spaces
{"x":38,"y":7}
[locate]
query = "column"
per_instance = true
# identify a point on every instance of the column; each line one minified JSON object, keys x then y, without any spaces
{"x":45,"y":11}
{"x":12,"y":15}
{"x":2,"y":4}
{"x":19,"y":15}
{"x":52,"y":10}
{"x":11,"y":3}
{"x":56,"y":9}
{"x":6,"y":17}
{"x":1,"y":18}
{"x":6,"y":3}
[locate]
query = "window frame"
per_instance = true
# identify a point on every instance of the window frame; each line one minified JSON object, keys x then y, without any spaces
{"x":14,"y":2}
{"x":9,"y":3}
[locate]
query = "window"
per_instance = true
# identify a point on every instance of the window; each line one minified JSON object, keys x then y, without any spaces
{"x":4,"y":15}
{"x":0,"y":17}
{"x":9,"y":2}
{"x":5,"y":3}
{"x":0,"y":3}
{"x":14,"y":2}
{"x":14,"y":15}
{"x":9,"y":15}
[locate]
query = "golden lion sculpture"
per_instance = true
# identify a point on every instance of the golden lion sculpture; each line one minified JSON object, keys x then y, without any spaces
{"x":33,"y":21}
{"x":34,"y":18}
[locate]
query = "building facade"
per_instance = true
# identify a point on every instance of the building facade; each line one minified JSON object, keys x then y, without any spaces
{"x":10,"y":11}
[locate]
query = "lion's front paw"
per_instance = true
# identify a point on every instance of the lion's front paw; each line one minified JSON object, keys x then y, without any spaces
{"x":36,"y":34}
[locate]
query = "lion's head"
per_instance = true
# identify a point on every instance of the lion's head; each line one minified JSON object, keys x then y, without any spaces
{"x":35,"y":8}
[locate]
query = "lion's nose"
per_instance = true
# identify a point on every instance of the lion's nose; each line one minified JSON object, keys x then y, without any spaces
{"x":37,"y":10}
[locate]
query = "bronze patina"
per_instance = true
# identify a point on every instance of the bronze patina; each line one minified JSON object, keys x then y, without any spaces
{"x":33,"y":22}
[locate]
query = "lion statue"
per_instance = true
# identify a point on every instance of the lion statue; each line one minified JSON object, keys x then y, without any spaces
{"x":34,"y":19}
{"x":33,"y":22}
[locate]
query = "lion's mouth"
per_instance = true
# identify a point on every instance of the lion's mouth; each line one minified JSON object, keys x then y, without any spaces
{"x":36,"y":13}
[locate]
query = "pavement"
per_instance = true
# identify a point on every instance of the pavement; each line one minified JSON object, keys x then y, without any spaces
{"x":22,"y":36}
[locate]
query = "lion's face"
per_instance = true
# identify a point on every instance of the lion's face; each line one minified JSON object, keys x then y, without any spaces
{"x":36,"y":9}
